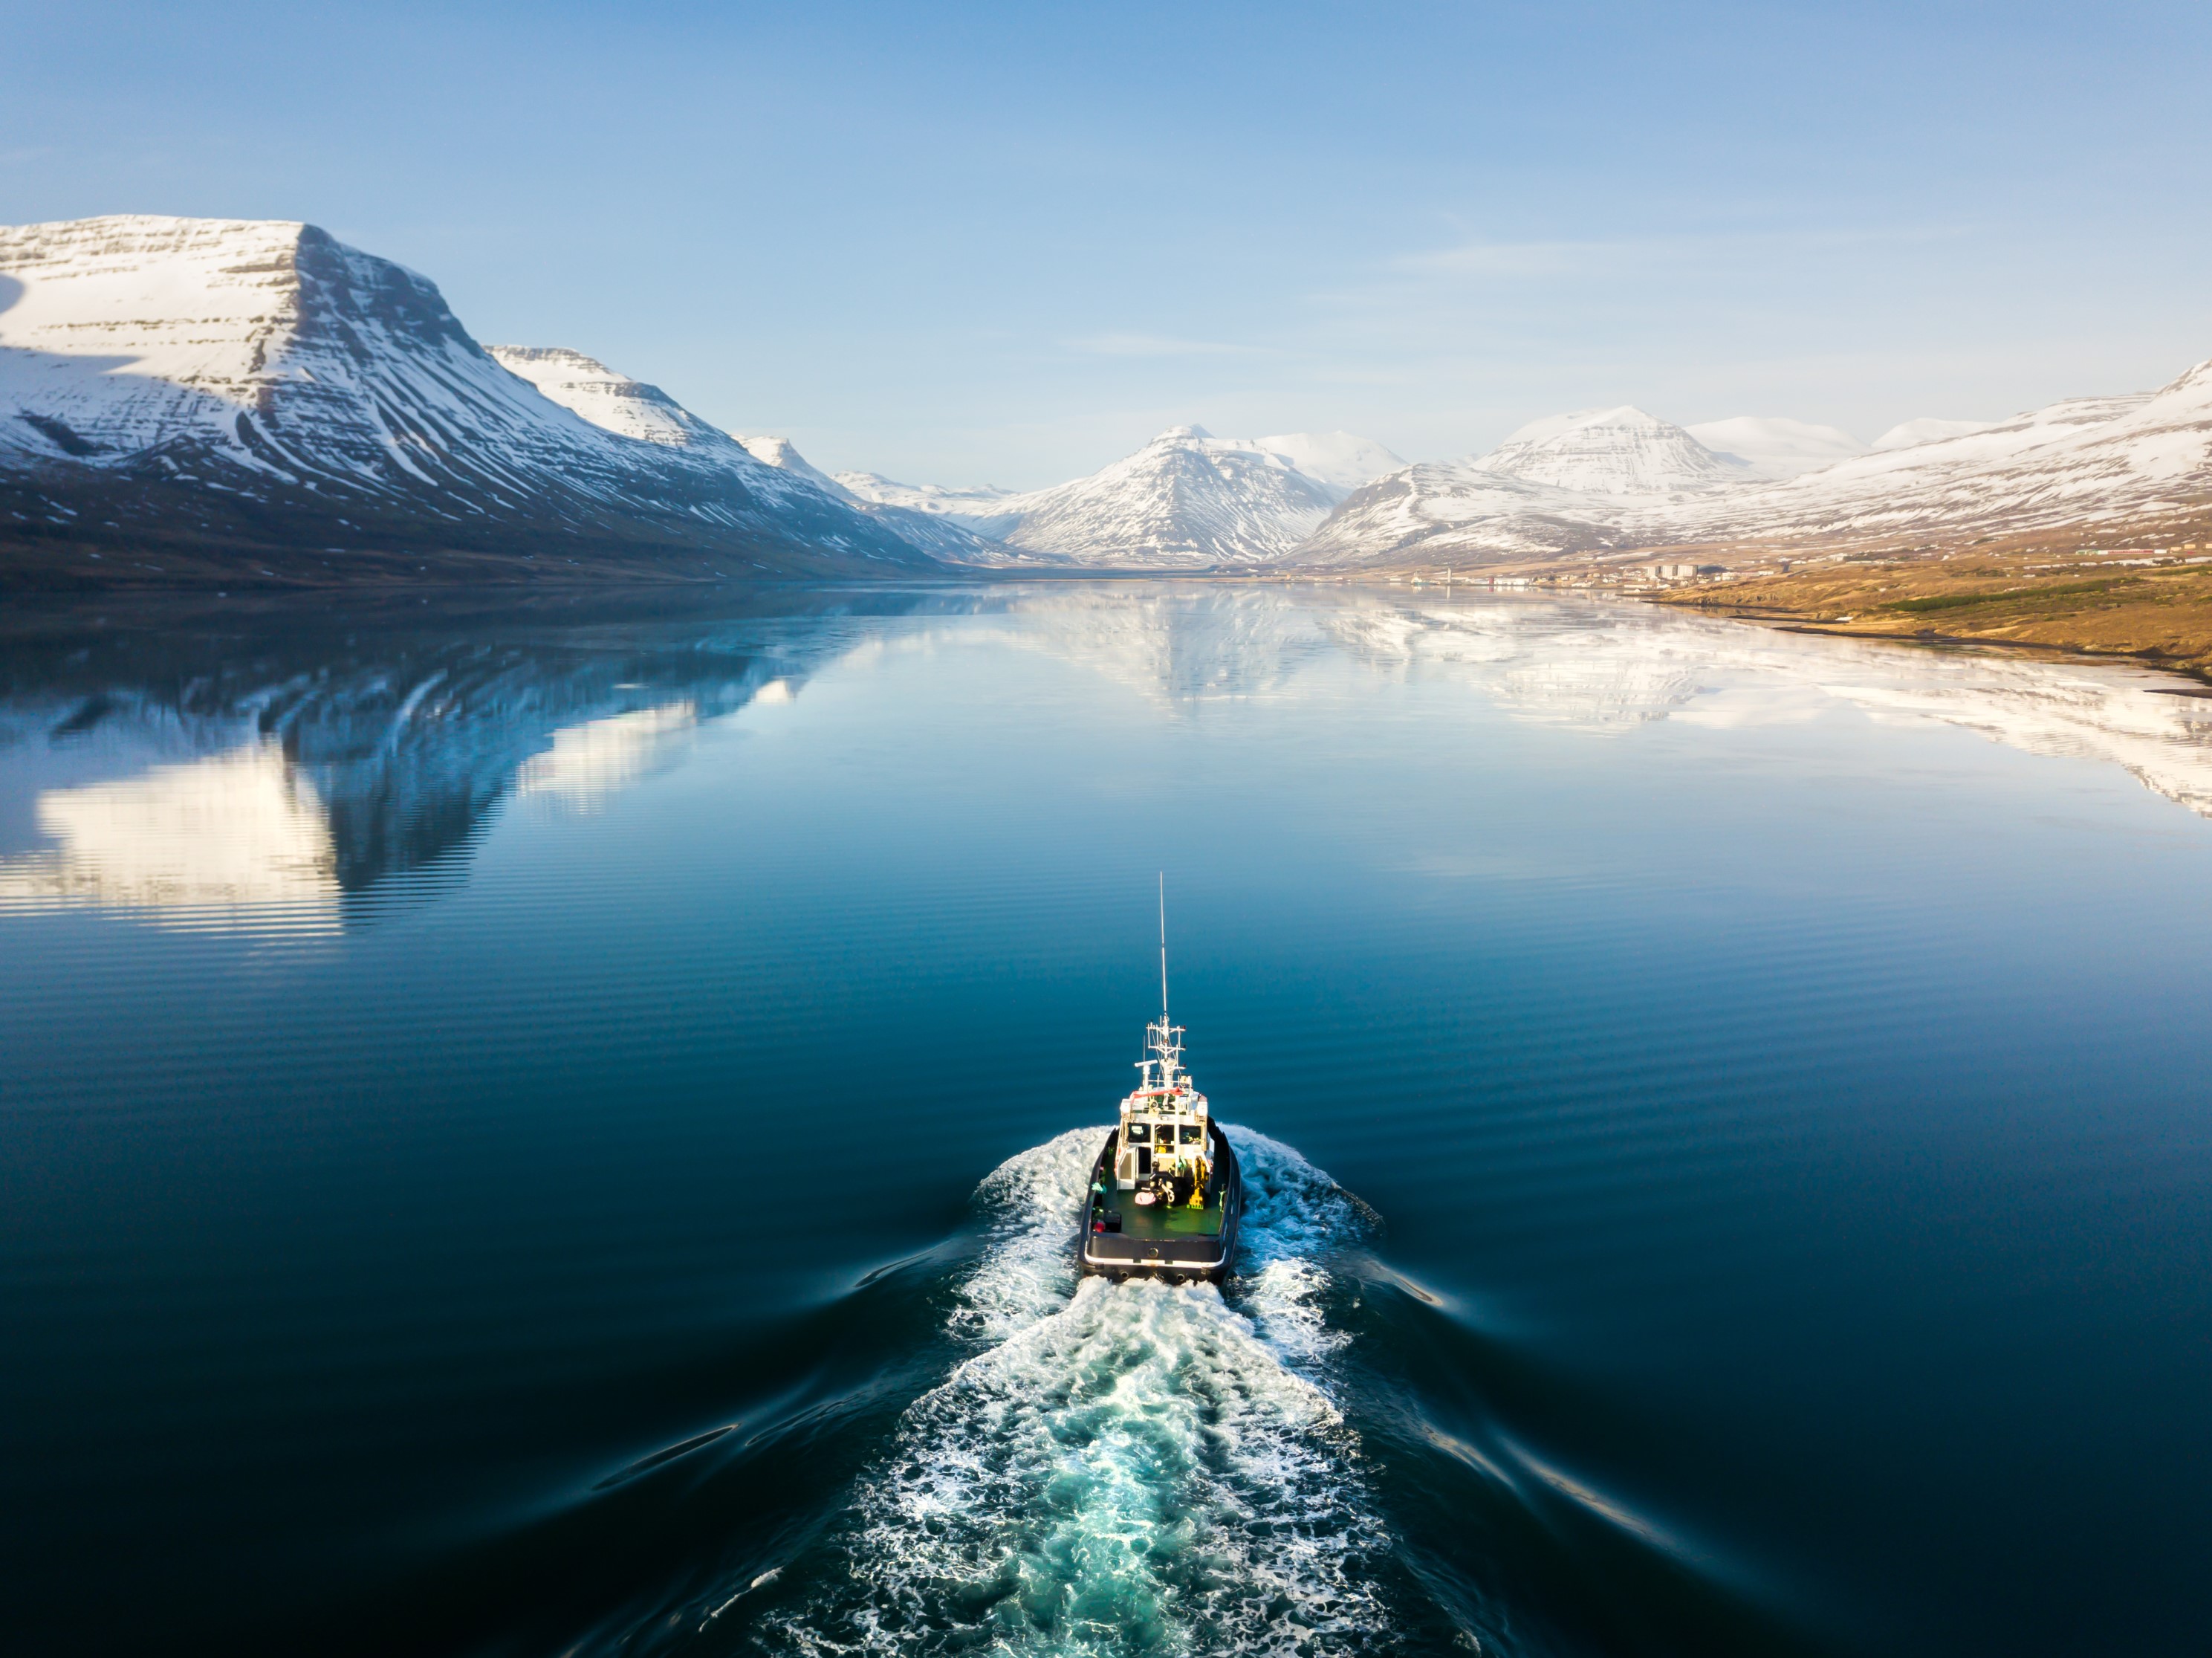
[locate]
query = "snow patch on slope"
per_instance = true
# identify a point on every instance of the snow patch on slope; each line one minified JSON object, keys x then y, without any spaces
{"x":1911,"y":434}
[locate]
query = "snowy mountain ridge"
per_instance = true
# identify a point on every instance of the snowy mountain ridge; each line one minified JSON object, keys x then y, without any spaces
{"x":258,"y":381}
{"x":634,"y":409}
{"x":611,"y":401}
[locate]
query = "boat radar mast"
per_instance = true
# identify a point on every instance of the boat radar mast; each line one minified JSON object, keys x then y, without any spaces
{"x":1162,"y":1069}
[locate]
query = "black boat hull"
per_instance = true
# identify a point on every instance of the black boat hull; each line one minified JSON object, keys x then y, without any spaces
{"x":1174,"y":1260}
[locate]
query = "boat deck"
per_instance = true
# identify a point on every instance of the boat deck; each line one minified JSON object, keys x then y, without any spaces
{"x":1157,"y":1222}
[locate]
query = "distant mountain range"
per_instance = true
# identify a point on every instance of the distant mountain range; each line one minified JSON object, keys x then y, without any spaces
{"x":234,"y":400}
{"x":1619,"y":481}
{"x":1188,"y":499}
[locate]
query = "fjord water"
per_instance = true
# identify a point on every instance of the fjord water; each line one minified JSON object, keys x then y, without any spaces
{"x":556,"y":1127}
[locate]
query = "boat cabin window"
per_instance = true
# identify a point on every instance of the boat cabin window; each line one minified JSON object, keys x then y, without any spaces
{"x":1190,"y":1134}
{"x":1139,"y":1132}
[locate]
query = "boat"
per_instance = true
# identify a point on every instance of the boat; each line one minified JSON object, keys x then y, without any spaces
{"x":1165,"y":1196}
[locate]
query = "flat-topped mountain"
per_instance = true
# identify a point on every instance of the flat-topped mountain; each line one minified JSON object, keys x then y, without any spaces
{"x":234,"y":391}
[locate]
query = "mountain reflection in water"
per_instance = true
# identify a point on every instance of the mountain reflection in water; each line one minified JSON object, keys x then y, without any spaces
{"x":256,"y":771}
{"x":265,"y":770}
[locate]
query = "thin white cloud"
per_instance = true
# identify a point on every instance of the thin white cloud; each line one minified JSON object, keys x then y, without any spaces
{"x":1569,"y":258}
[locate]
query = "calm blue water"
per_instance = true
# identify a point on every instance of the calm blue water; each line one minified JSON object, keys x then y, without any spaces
{"x":555,"y":1130}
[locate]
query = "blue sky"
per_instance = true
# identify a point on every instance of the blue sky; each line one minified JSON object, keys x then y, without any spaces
{"x":971,"y":243}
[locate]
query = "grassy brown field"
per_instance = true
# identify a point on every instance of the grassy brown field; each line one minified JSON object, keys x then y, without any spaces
{"x":2151,"y":605}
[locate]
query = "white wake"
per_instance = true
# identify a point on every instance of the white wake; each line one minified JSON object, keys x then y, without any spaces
{"x":1135,"y":1468}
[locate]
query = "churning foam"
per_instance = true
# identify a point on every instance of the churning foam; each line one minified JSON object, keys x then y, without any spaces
{"x":1135,"y":1468}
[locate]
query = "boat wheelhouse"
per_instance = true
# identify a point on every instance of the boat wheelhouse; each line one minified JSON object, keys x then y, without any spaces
{"x":1165,"y":1195}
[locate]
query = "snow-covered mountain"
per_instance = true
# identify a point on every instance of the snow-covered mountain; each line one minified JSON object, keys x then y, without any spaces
{"x":226,"y":383}
{"x":1564,"y":485}
{"x":1773,"y":448}
{"x":1186,"y":500}
{"x":2135,"y":461}
{"x":2139,"y":459}
{"x":1618,"y":451}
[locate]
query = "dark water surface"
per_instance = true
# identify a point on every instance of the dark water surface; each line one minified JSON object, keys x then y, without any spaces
{"x":494,"y":1105}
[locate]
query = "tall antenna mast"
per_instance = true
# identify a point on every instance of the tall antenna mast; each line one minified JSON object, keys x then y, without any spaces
{"x":1164,"y":946}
